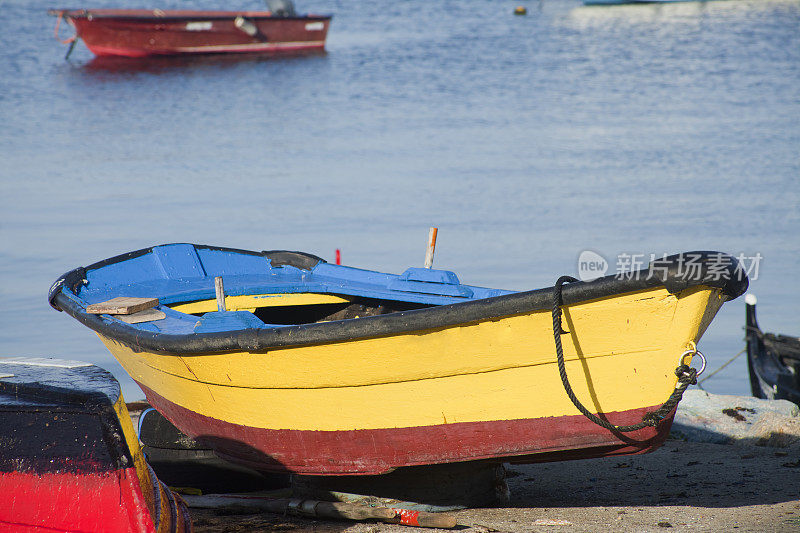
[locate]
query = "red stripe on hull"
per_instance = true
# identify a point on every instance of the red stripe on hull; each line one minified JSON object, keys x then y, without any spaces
{"x":377,"y":451}
{"x":272,"y":49}
{"x":109,"y":501}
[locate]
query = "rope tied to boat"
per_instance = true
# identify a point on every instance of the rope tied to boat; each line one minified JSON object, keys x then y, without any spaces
{"x":58,"y":27}
{"x":686,"y":375}
{"x":72,"y":41}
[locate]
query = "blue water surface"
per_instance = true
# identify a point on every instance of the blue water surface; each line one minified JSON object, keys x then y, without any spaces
{"x":643,"y":129}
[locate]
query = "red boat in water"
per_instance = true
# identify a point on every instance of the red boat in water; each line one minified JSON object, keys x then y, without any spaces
{"x":143,"y":33}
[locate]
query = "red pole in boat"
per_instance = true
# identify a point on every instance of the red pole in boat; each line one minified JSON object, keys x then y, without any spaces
{"x":338,"y":257}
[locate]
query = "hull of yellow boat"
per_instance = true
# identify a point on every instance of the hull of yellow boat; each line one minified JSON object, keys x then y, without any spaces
{"x":484,"y":389}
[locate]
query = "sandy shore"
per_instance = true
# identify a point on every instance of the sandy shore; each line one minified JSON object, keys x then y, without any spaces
{"x":684,"y":486}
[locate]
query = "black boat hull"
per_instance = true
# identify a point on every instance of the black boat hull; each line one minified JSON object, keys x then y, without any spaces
{"x":773,"y":361}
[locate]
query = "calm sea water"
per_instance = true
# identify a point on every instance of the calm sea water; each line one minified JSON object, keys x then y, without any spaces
{"x":526,"y":140}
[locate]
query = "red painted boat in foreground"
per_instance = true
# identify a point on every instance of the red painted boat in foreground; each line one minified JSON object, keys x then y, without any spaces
{"x":69,"y":456}
{"x":144,"y":32}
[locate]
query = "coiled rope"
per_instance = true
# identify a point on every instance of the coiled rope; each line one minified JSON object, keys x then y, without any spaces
{"x":686,"y":376}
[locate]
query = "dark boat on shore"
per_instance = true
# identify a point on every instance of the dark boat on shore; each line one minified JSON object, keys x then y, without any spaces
{"x":157,"y":32}
{"x":772,"y":360}
{"x":69,"y":456}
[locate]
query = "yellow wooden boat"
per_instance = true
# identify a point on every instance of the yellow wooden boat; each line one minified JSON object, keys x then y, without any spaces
{"x":325,"y":369}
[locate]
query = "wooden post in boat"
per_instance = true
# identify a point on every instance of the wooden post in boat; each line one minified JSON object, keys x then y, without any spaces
{"x":431,"y":247}
{"x":220,"y":290}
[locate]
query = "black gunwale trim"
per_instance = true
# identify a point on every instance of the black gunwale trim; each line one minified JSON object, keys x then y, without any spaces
{"x":222,"y":249}
{"x":299,"y":260}
{"x":733,"y":283}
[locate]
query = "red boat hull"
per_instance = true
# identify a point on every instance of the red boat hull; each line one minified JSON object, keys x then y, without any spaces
{"x":69,"y":456}
{"x":69,"y":501}
{"x":142,"y":33}
{"x":379,"y":451}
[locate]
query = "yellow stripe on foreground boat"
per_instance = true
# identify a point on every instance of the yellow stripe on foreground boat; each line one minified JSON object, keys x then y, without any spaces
{"x":490,"y":370}
{"x":251,"y":303}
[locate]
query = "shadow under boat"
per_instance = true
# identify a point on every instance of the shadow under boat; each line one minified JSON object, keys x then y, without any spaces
{"x":189,"y":463}
{"x":182,"y":461}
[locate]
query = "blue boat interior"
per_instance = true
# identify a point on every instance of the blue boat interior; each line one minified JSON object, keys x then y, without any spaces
{"x":177,"y":274}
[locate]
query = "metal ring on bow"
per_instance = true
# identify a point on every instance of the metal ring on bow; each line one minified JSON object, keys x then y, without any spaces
{"x":691,"y":354}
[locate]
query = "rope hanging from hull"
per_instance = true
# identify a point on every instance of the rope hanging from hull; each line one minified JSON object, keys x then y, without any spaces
{"x":71,"y":41}
{"x":686,"y":376}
